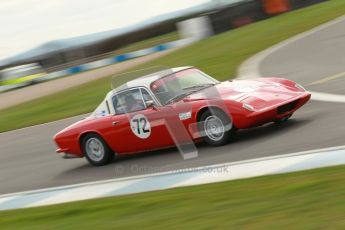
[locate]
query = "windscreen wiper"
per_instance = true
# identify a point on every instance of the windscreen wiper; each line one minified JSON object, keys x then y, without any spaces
{"x":199,"y":86}
{"x":177,"y":97}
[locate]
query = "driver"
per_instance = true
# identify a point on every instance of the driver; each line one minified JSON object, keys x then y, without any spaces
{"x":132,"y":104}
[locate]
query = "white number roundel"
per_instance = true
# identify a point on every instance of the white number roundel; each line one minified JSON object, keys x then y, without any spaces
{"x":140,"y":126}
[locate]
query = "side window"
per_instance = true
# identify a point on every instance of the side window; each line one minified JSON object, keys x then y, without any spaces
{"x":146,"y":96}
{"x":128,"y":101}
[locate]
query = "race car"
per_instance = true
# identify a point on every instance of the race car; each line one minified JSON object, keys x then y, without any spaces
{"x":176,"y":106}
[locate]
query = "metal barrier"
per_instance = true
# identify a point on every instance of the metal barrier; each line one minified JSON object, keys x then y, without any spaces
{"x":101,"y":63}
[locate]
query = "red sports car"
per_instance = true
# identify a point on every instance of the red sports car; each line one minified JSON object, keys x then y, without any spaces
{"x":175,"y":107}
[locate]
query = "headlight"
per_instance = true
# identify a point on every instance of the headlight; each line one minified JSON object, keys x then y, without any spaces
{"x":248,"y":107}
{"x":298,"y":86}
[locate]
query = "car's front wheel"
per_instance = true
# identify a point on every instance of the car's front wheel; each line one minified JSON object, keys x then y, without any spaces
{"x":96,"y":150}
{"x":215,"y":127}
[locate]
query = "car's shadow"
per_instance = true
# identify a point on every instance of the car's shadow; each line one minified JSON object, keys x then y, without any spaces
{"x":271,"y":129}
{"x":162,"y":160}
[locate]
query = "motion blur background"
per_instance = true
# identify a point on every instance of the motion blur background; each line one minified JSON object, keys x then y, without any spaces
{"x":45,"y":40}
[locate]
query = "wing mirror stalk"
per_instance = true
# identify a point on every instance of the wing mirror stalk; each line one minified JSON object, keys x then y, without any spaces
{"x":151,"y":105}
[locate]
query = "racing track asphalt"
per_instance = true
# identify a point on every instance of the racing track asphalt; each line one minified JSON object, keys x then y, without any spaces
{"x":28,"y":160}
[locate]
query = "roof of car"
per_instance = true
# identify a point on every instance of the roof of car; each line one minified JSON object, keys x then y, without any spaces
{"x":144,"y":80}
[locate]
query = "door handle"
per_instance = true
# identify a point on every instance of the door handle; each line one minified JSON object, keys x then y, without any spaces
{"x":115,"y":123}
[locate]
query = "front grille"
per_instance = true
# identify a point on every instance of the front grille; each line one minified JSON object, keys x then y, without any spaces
{"x":287,"y":107}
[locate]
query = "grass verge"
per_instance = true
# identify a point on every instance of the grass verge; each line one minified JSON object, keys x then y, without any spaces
{"x":219,"y":56}
{"x":312,"y":199}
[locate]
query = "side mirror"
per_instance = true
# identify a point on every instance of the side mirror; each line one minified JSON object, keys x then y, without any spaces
{"x":150,"y":105}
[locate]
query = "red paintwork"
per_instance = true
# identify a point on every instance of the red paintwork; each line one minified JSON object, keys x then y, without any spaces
{"x":265,"y":99}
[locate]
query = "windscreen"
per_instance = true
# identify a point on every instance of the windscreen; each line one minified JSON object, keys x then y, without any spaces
{"x":176,"y":86}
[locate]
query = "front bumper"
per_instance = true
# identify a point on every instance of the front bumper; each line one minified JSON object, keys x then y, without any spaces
{"x":274,"y":112}
{"x":62,"y":150}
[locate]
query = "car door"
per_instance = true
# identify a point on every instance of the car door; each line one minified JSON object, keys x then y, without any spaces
{"x":136,"y":127}
{"x":169,"y":126}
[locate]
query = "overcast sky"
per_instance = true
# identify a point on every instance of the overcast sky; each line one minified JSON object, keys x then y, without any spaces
{"x":28,"y":23}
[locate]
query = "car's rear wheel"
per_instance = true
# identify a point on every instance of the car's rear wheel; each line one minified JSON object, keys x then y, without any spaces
{"x":96,"y":150}
{"x":215,"y":127}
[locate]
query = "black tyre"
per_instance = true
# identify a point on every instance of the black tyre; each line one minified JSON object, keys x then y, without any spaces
{"x":96,"y":150}
{"x":215,"y":127}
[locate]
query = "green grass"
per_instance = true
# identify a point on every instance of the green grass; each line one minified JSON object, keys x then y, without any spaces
{"x":312,"y":199}
{"x":219,"y":56}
